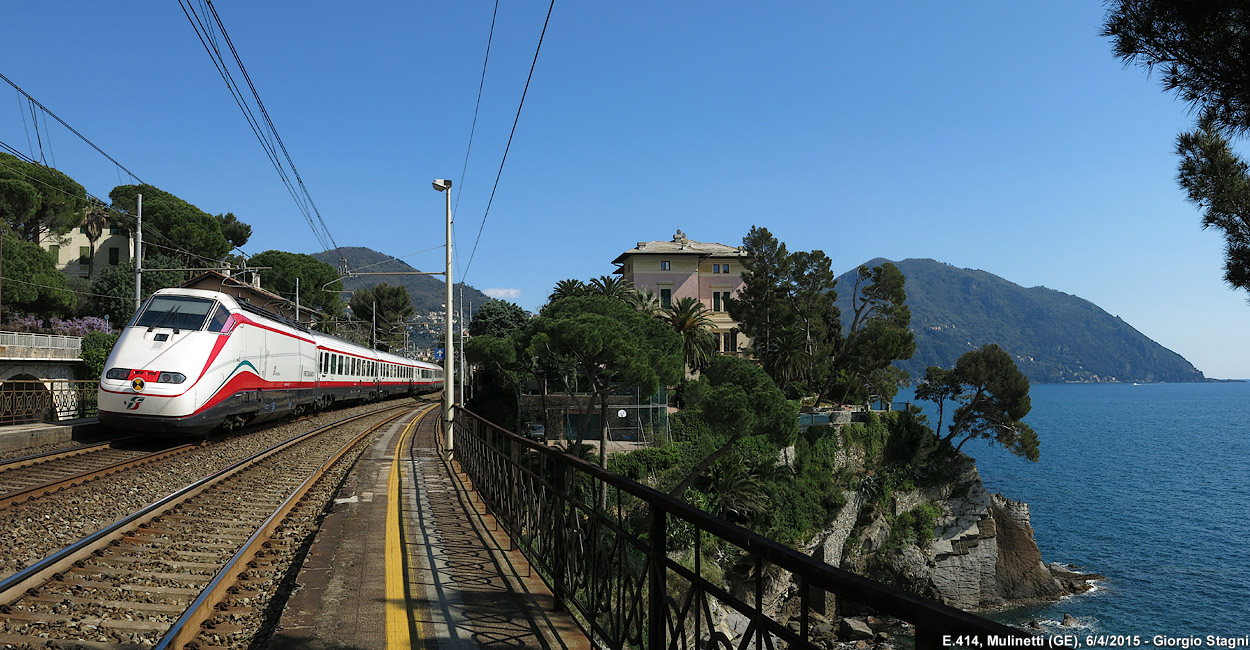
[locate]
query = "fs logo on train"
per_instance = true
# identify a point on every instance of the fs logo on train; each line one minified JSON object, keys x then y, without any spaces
{"x":133,"y":403}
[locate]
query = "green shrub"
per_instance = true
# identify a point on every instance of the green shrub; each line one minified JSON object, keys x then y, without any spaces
{"x":687,"y":425}
{"x":926,"y":519}
{"x":96,"y":347}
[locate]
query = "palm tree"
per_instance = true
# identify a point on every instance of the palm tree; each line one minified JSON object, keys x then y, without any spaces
{"x":568,"y":289}
{"x":788,"y":360}
{"x":647,"y":302}
{"x":693,"y":322}
{"x":733,"y":492}
{"x":611,"y":287}
{"x":95,"y":215}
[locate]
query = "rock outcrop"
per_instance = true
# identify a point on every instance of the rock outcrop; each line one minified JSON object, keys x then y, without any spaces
{"x":982,"y":555}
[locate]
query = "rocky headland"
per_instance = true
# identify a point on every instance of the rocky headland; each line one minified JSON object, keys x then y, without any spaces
{"x":980,"y":554}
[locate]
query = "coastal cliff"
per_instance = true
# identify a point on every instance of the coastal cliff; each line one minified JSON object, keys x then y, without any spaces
{"x":982,"y":553}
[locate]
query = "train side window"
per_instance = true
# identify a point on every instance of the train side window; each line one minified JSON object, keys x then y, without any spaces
{"x":220,"y":320}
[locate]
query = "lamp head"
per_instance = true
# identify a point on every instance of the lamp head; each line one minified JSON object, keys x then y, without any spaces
{"x":442,"y":184}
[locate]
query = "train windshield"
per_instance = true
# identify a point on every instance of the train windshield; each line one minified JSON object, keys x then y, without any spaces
{"x":175,"y":312}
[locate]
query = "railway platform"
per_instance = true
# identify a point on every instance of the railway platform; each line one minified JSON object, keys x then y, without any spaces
{"x":408,"y":559}
{"x":20,"y":436}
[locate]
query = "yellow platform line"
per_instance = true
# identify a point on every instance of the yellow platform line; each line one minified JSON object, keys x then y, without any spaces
{"x":397,"y":621}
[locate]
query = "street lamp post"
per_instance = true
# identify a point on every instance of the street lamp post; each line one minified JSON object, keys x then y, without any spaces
{"x":449,"y":383}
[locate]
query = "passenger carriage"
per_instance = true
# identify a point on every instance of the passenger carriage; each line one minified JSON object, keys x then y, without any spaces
{"x":192,"y":360}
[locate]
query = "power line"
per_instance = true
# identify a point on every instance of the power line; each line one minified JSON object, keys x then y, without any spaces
{"x":173,"y":245}
{"x":534,"y":63}
{"x":473,"y":128}
{"x":481,"y":84}
{"x":71,"y":129}
{"x":203,"y":30}
{"x":32,"y":102}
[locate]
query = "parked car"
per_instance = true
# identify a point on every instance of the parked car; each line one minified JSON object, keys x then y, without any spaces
{"x":535,"y":431}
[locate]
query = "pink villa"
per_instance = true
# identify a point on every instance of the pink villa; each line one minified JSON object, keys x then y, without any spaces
{"x":685,"y":268}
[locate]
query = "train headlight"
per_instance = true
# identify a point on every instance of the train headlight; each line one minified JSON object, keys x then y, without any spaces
{"x":117,"y":373}
{"x":170,"y":378}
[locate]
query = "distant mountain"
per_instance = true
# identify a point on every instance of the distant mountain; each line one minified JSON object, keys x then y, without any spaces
{"x":426,"y":291}
{"x":1054,"y":337}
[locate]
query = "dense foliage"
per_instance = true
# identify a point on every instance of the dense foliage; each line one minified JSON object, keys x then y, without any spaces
{"x":112,"y":292}
{"x":989,"y":397}
{"x":382,"y":309}
{"x":96,"y":347}
{"x":174,"y":226}
{"x":608,"y":344}
{"x":36,"y":200}
{"x":498,"y":318}
{"x":1052,"y":336}
{"x":32,"y":282}
{"x":786,"y":306}
{"x":1202,"y":50}
{"x":318,"y":281}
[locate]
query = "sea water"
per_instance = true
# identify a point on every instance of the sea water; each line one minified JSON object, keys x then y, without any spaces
{"x":1148,"y":485}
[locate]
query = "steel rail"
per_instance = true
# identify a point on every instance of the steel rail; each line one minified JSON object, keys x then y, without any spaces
{"x":47,"y":456}
{"x":9,"y":498}
{"x":15,"y":586}
{"x":188,"y":626}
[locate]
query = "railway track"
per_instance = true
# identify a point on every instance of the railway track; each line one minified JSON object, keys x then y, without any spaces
{"x":154,"y":578}
{"x":33,"y":476}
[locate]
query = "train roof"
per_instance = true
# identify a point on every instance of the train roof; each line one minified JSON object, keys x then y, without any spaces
{"x":234,"y":303}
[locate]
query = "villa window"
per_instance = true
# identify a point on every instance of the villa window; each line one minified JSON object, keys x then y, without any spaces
{"x":56,"y":253}
{"x":717,"y":342}
{"x":666,"y":265}
{"x":724,"y":268}
{"x":716,"y":268}
{"x":115,"y":256}
{"x":715,"y":301}
{"x":84,"y":254}
{"x":666,"y":298}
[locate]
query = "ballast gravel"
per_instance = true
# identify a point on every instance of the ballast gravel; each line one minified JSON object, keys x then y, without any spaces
{"x":33,"y":529}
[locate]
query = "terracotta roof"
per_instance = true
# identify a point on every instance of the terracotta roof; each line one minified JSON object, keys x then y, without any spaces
{"x":681,"y":245}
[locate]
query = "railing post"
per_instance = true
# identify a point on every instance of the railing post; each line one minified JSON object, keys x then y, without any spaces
{"x":560,"y":497}
{"x":657,"y":588}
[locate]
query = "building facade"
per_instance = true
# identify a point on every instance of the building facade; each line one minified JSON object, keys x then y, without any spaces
{"x":681,"y":268}
{"x":73,"y":251}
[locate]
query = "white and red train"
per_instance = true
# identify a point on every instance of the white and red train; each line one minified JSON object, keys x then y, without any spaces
{"x":193,"y":360}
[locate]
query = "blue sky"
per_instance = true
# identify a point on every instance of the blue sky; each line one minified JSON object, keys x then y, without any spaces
{"x":990,"y":135}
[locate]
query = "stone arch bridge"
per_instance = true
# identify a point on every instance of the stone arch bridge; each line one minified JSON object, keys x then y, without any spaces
{"x":42,"y":379}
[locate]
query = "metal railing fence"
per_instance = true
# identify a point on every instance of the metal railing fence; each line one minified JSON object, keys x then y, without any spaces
{"x":640,"y":569}
{"x":53,"y":400}
{"x":26,"y":345}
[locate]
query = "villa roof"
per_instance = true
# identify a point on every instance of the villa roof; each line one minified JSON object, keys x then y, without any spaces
{"x":681,"y":245}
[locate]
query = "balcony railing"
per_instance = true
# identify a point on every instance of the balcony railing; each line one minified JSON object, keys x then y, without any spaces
{"x":54,"y":400}
{"x":640,"y":569}
{"x":27,"y":345}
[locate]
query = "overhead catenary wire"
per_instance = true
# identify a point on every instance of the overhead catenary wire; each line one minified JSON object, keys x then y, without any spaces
{"x":33,"y":103}
{"x":298,"y":190}
{"x":151,"y":233}
{"x":504,"y":159}
{"x":71,"y":129}
{"x":490,"y":37}
{"x":202,"y":31}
